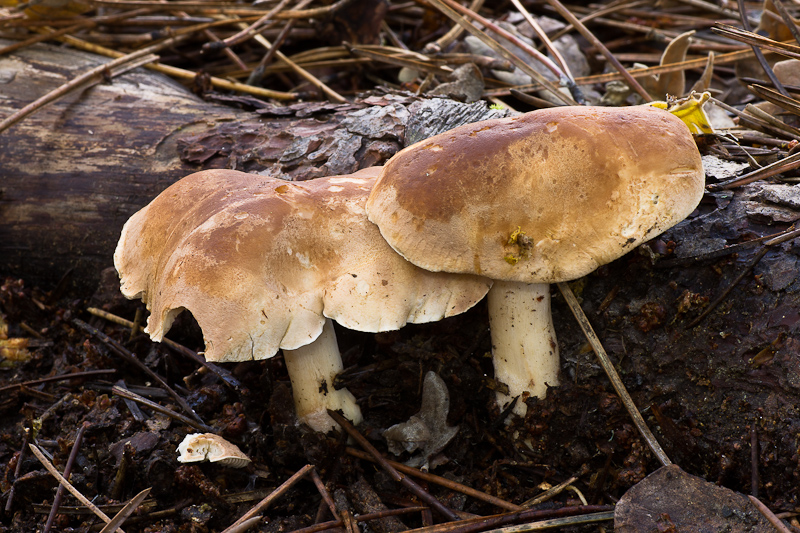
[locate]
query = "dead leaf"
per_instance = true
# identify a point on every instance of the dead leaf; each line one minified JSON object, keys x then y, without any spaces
{"x":670,"y":83}
{"x":671,"y":498}
{"x":427,"y":430}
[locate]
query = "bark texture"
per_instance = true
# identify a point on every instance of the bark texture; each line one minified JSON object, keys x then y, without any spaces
{"x":74,"y":171}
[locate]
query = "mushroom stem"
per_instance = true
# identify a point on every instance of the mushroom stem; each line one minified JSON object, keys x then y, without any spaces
{"x":312,"y":369}
{"x":524,"y":347}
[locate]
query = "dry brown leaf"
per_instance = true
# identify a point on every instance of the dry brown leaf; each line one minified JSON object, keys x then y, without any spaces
{"x":670,"y":83}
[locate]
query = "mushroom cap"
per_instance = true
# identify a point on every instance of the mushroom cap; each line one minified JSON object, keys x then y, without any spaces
{"x":543,"y":197}
{"x":260,"y":262}
{"x":197,"y":447}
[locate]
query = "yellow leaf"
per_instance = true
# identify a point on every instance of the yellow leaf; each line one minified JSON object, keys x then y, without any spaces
{"x":690,"y":111}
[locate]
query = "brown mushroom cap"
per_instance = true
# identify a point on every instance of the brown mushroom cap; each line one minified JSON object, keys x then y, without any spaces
{"x":542,"y":197}
{"x":261,"y":262}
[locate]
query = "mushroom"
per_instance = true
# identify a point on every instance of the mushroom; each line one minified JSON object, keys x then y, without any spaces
{"x":534,"y":199}
{"x":264,"y":264}
{"x":197,"y":447}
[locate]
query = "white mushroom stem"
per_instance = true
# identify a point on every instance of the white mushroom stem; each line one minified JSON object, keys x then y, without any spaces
{"x":312,"y":369}
{"x":524,"y":347}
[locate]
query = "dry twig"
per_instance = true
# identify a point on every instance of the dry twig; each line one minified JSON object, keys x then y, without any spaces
{"x":132,"y":359}
{"x":612,"y":374}
{"x":583,"y":30}
{"x":62,"y":377}
{"x":224,"y":375}
{"x":545,"y":39}
{"x":757,"y":41}
{"x":449,"y":8}
{"x":782,"y":165}
{"x":93,"y":76}
{"x":786,"y":236}
{"x":125,"y":393}
{"x":266,"y":502}
{"x":588,"y":518}
{"x":438,"y":480}
{"x":182,"y":73}
{"x":246,"y":33}
{"x":527,"y":516}
{"x":759,"y":54}
{"x":397,"y":476}
{"x":769,"y":515}
{"x":125,"y":512}
{"x":73,"y":454}
{"x":67,"y":485}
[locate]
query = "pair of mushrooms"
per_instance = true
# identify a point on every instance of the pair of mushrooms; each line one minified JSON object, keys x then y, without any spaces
{"x":264,"y":264}
{"x":505,"y":206}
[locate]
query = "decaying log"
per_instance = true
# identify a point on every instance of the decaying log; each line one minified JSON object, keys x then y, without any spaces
{"x":73,"y":173}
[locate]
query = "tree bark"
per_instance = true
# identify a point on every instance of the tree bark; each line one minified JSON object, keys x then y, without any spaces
{"x":72,"y":173}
